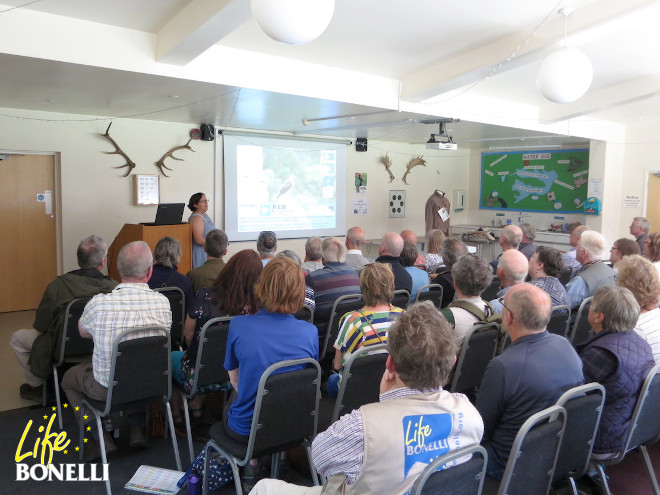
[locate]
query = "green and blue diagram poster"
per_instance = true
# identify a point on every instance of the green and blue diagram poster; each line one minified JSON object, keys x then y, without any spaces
{"x":544,"y":181}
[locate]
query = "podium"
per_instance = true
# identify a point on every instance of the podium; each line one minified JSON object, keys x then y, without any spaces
{"x":151,"y":234}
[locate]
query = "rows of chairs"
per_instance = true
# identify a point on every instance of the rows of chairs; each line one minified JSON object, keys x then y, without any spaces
{"x":553,"y":447}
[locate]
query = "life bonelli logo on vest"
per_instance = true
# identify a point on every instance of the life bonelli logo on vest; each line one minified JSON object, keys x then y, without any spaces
{"x":37,"y":446}
{"x":426,"y":437}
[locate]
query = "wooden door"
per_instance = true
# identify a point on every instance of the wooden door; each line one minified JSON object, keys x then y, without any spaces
{"x":653,"y":202}
{"x":28,"y":250}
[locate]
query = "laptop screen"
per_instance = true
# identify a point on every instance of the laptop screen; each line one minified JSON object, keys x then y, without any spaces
{"x":169,"y":213}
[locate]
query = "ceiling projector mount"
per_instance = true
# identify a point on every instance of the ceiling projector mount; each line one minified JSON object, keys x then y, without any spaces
{"x":442,"y":144}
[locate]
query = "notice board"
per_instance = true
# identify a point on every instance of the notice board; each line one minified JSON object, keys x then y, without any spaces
{"x":542,"y":181}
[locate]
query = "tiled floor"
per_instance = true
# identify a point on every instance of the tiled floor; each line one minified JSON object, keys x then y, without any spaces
{"x":12,"y":374}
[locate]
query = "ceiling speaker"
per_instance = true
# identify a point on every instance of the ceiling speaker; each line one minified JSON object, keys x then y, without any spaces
{"x":361,"y":144}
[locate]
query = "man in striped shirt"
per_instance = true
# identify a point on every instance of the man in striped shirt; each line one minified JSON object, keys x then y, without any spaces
{"x":131,"y":304}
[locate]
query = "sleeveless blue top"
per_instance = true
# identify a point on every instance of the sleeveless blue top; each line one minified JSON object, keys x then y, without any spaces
{"x":198,"y":253}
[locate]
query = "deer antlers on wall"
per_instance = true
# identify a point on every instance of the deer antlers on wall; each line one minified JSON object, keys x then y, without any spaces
{"x":161,"y":163}
{"x":131,"y":164}
{"x":118,"y":151}
{"x":387,"y":161}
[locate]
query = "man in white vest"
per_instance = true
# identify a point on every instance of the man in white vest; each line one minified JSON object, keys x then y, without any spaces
{"x":384,"y":446}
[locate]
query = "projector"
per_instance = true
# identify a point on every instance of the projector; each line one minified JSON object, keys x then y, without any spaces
{"x":438,"y":145}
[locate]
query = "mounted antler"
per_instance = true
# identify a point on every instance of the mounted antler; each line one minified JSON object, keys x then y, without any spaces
{"x":387,"y":161}
{"x":118,"y":151}
{"x":413,"y":163}
{"x":161,"y":163}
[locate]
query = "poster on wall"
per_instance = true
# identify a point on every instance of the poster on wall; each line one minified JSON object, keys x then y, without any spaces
{"x":360,"y":206}
{"x":541,"y":181}
{"x":360,"y":183}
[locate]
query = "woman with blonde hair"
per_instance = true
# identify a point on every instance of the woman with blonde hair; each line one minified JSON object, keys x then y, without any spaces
{"x":434,"y":240}
{"x":369,"y":325}
{"x":637,"y":274}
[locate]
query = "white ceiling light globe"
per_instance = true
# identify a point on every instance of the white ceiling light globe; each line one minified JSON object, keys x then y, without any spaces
{"x":293,"y":22}
{"x":564,"y":75}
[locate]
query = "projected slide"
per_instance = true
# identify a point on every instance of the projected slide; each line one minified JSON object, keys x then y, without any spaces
{"x":287,"y":187}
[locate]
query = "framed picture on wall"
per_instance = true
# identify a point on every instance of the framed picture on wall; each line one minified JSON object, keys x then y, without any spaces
{"x":146,"y":190}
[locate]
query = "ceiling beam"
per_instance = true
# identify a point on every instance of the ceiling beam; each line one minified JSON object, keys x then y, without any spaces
{"x":612,"y":96}
{"x":197,"y":27}
{"x":587,"y":24}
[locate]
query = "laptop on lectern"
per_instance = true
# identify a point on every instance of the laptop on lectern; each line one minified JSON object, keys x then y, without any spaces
{"x":168,"y":214}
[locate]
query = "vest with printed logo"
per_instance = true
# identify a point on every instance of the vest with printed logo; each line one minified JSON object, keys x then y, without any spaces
{"x":402,"y":436}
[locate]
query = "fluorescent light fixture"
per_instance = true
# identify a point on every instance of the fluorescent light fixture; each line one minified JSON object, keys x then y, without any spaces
{"x":529,"y":147}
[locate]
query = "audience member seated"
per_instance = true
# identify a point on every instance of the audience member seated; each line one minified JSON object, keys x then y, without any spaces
{"x":617,"y":358}
{"x":594,"y":274}
{"x":312,"y":255}
{"x":410,"y":236}
{"x":390,"y":252}
{"x":472,"y":274}
{"x":267,"y":337}
{"x":544,"y":268}
{"x":309,"y":293}
{"x":215,"y":246}
{"x":639,"y":228}
{"x":452,"y":249}
{"x":266,"y":246}
{"x":527,"y":246}
{"x":167,"y":255}
{"x":387,"y":460}
{"x":621,"y":248}
{"x":510,"y":238}
{"x":354,"y":243}
{"x":636,"y":274}
{"x":569,"y":256}
{"x":335,"y":279}
{"x":652,"y":249}
{"x":512,"y":269}
{"x":433,"y":257}
{"x":131,"y":304}
{"x":35,"y":347}
{"x":231,"y":294}
{"x":530,"y":375}
{"x":419,"y":277}
{"x":369,"y":325}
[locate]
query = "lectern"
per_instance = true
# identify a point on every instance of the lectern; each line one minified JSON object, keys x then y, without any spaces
{"x":151,"y":234}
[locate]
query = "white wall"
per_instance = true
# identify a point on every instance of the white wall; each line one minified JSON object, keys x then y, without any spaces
{"x":95,"y":198}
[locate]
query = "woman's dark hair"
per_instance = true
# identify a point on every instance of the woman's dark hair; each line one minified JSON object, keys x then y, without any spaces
{"x":551,"y":259}
{"x":233,"y":290}
{"x":194,"y":199}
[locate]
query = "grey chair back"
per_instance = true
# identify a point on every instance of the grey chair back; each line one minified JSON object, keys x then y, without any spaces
{"x":139,"y":375}
{"x":565,"y":275}
{"x":581,"y":329}
{"x":443,"y":475}
{"x":401,"y":298}
{"x":360,"y":381}
{"x":644,"y":430}
{"x":209,"y":365}
{"x":177,"y":300}
{"x":285,"y":416}
{"x":533,"y":456}
{"x":306,"y":313}
{"x":584,"y":406}
{"x":341,"y":306}
{"x":560,"y":320}
{"x":71,"y":348}
{"x":434,"y":294}
{"x":477,"y":350}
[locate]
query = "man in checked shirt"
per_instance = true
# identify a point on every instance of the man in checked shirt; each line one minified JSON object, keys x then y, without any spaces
{"x":383,"y":447}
